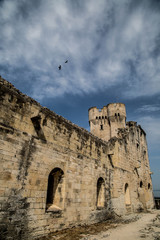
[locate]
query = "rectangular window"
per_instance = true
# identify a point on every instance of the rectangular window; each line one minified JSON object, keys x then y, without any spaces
{"x":101,"y":127}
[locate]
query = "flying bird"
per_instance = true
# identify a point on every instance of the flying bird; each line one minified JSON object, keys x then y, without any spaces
{"x":60,"y":67}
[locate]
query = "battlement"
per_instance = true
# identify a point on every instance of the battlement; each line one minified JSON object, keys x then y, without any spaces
{"x":109,"y":111}
{"x":105,"y":122}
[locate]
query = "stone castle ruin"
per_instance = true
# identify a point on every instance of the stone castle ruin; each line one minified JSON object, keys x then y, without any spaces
{"x":56,"y":175}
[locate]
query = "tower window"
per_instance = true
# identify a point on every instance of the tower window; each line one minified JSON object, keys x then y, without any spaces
{"x":118,"y":115}
{"x":101,"y":127}
{"x":102,"y":117}
{"x":99,"y":117}
{"x":141,"y":184}
{"x":96,"y":117}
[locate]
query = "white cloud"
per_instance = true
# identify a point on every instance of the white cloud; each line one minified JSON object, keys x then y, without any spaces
{"x":149,"y":108}
{"x":9,"y":10}
{"x":107,"y":43}
{"x":151,"y":125}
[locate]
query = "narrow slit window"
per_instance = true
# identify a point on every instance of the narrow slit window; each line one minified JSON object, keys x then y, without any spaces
{"x":101,"y":127}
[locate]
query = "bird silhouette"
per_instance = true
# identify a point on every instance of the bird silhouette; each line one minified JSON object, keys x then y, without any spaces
{"x":66,"y":61}
{"x":59,"y":67}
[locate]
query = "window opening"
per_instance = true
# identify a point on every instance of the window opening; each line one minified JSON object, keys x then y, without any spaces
{"x":37,"y":126}
{"x":141,"y":184}
{"x":100,"y":193}
{"x":127,"y":195}
{"x":55,"y":191}
{"x":149,"y":185}
{"x":101,"y":127}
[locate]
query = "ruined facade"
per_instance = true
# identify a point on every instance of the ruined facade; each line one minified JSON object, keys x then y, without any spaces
{"x":54,"y":174}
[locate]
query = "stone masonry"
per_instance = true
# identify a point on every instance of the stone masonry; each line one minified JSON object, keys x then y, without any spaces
{"x":55,"y":175}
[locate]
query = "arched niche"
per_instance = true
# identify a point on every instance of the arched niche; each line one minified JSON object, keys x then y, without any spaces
{"x":55,"y":190}
{"x":100,"y":193}
{"x":127,"y":195}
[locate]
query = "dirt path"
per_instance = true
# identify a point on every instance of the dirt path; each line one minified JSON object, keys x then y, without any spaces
{"x":132,"y":227}
{"x":147,"y":227}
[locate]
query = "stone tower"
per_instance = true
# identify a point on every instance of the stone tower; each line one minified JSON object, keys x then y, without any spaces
{"x":104,"y":123}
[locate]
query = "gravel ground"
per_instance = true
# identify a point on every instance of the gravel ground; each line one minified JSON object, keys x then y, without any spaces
{"x":131,"y":227}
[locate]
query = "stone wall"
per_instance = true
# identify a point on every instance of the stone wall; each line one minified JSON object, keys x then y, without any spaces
{"x":131,"y":164}
{"x":55,"y":174}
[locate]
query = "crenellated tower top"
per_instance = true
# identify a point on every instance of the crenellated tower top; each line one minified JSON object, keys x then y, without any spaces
{"x":104,"y":123}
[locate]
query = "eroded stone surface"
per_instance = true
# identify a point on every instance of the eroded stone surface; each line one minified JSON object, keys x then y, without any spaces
{"x":100,"y":178}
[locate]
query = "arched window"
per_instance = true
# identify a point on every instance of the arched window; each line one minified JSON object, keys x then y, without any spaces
{"x":118,"y":115}
{"x":149,"y":185}
{"x":127,"y":194}
{"x":100,"y":193}
{"x":55,"y":191}
{"x":141,"y":184}
{"x":99,"y":117}
{"x":96,"y":117}
{"x":115,"y":114}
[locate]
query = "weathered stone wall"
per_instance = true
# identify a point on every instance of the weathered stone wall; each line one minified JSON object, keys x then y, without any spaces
{"x":89,"y":174}
{"x":131,"y":165}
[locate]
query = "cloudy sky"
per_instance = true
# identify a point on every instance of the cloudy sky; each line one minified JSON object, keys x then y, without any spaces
{"x":113,"y":52}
